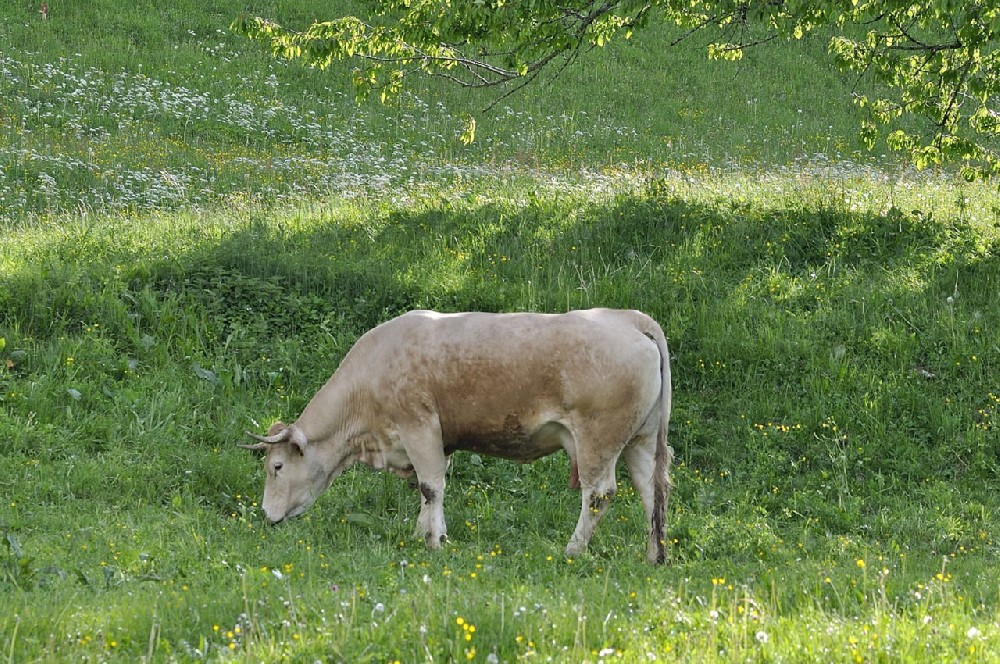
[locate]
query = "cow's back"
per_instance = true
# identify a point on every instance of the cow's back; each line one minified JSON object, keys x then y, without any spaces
{"x":495,"y":380}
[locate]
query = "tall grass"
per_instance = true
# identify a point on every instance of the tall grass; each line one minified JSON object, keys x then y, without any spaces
{"x":834,"y":429}
{"x":187,"y":253}
{"x":140,"y":107}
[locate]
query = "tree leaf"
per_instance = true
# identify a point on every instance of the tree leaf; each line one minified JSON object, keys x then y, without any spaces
{"x":469,"y":133}
{"x":205,"y":374}
{"x":13,"y":545}
{"x":361,"y":519}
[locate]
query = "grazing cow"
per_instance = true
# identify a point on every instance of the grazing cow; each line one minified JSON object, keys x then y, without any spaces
{"x":519,"y":386}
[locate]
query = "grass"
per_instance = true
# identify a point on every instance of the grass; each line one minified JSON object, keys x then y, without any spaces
{"x":137,"y":108}
{"x":832,"y":319}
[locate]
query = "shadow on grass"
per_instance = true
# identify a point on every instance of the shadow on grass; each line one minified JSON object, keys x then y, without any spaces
{"x":826,"y":362}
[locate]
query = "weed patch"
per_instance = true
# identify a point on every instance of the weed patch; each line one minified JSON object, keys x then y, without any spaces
{"x":833,"y":428}
{"x":195,"y":234}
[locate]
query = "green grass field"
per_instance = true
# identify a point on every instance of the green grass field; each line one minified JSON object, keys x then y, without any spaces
{"x":194,"y":234}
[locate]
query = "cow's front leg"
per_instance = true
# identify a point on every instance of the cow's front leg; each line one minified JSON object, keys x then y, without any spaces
{"x":430,"y":523}
{"x":426,"y":452}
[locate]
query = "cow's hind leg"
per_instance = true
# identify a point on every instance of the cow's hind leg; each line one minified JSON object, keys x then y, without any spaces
{"x":640,"y":457}
{"x":597,"y":488}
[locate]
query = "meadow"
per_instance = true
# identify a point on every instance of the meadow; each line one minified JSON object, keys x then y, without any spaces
{"x":193,"y":234}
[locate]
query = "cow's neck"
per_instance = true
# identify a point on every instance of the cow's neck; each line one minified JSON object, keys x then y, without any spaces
{"x":339,"y":419}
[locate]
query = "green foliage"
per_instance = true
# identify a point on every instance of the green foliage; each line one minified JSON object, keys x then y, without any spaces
{"x":834,"y":427}
{"x":193,"y":236}
{"x":937,"y":61}
{"x":934,"y":61}
{"x":479,"y":44}
{"x":17,"y":569}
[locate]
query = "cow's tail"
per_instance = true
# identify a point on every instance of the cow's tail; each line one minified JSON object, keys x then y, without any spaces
{"x":663,"y":454}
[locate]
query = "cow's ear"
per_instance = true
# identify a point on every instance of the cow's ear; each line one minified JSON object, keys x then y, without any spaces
{"x":297,"y":437}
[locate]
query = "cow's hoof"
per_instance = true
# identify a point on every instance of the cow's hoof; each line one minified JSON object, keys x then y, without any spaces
{"x":435,"y":541}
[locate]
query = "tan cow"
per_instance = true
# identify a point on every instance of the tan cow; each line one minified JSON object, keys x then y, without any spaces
{"x":519,"y":386}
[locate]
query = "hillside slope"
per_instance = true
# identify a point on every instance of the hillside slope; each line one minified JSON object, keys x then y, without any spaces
{"x":190,"y":246}
{"x":136,"y":107}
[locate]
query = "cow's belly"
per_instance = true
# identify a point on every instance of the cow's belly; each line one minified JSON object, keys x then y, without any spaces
{"x":512,"y":441}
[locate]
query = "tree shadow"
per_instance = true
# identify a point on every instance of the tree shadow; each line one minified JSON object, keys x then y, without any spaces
{"x":819,"y":363}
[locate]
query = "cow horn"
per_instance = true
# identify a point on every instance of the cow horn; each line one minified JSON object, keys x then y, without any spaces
{"x":279,"y":437}
{"x":263,"y":442}
{"x":292,"y":434}
{"x":259,"y":447}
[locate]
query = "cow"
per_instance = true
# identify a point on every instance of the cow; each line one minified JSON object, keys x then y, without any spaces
{"x":413,"y":390}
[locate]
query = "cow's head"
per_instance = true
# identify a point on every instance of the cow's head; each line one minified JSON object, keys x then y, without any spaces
{"x":294,"y":478}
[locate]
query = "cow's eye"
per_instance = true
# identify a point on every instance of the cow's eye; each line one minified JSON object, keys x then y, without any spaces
{"x":278,"y":466}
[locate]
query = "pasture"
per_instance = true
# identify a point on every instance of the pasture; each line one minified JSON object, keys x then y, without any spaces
{"x":193,"y":235}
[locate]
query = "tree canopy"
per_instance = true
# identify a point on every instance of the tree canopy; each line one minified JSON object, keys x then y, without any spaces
{"x":935,"y":62}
